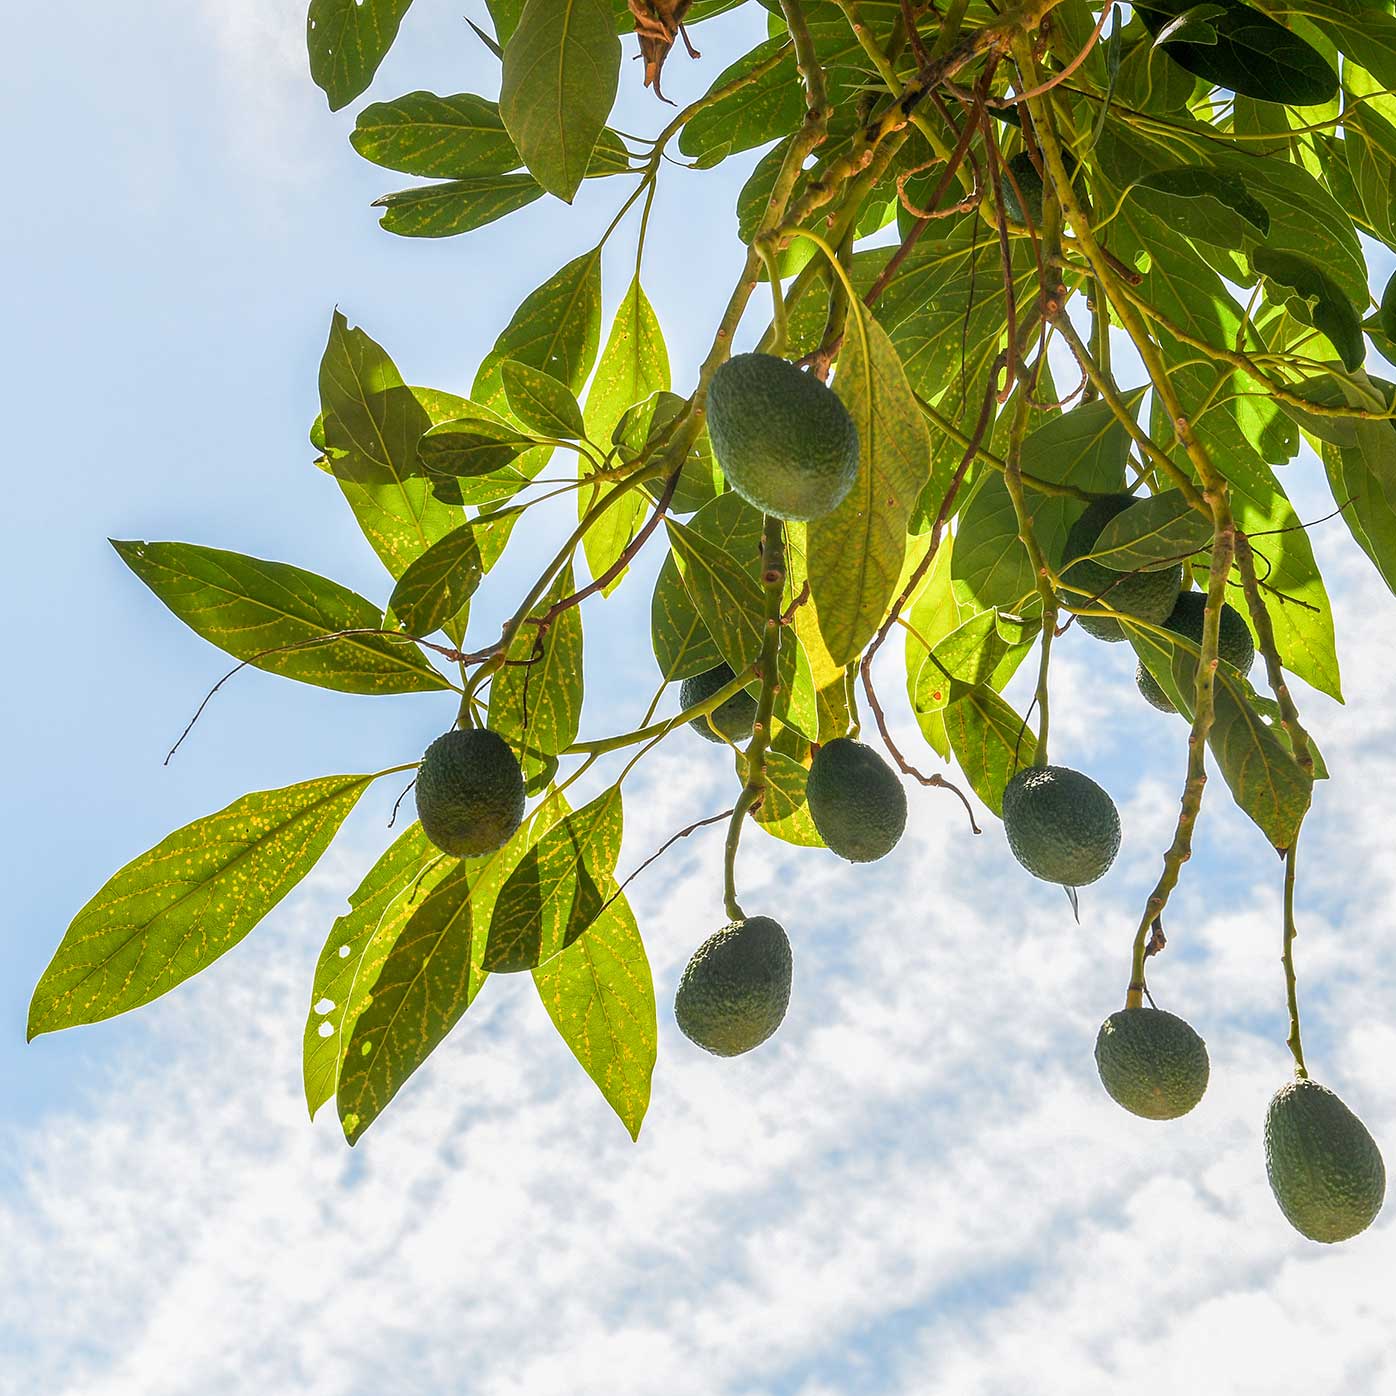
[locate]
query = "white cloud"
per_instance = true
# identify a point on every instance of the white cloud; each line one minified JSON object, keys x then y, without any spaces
{"x":917,"y":1187}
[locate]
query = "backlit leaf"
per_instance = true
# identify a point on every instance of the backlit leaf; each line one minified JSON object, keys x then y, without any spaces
{"x":174,"y":910}
{"x":347,"y":40}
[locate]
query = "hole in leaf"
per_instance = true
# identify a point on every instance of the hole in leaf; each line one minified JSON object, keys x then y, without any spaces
{"x":326,"y":1029}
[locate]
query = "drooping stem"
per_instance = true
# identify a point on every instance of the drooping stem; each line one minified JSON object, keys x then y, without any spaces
{"x":1293,"y":1041}
{"x":768,"y":669}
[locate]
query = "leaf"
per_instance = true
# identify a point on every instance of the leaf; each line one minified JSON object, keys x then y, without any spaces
{"x":990,"y":741}
{"x":383,"y":899}
{"x":472,"y":447}
{"x":682,"y":646}
{"x":461,"y":206}
{"x":934,"y":614}
{"x":536,"y":699}
{"x":347,"y":40}
{"x":1363,"y":480}
{"x":763,"y":109}
{"x":1322,"y":303}
{"x":456,"y":137}
{"x":540,"y":402}
{"x":1157,"y":532}
{"x":784,"y":809}
{"x":1246,"y":52}
{"x":725,"y":594}
{"x":561,"y":69}
{"x":373,"y":422}
{"x":556,"y":329}
{"x":359,"y":944}
{"x":174,"y":910}
{"x":599,"y":992}
{"x":247,"y":606}
{"x":856,"y":552}
{"x":558,"y":889}
{"x":971,"y":652}
{"x":427,"y":981}
{"x":1217,"y":207}
{"x":442,"y":581}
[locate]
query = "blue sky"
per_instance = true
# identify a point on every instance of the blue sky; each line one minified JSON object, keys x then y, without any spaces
{"x":917,"y":1187}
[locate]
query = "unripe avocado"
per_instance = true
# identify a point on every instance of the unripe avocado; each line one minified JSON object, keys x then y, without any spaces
{"x":1234,"y":643}
{"x":736,"y":988}
{"x":1150,"y":596}
{"x":733,"y":718}
{"x":784,"y":441}
{"x":1030,"y":186}
{"x":1325,"y":1168}
{"x":1153,"y":1063}
{"x":857,"y":802}
{"x":470,"y":792}
{"x":1061,"y":826}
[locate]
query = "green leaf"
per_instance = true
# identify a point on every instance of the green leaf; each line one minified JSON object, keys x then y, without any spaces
{"x":373,"y":423}
{"x":380,"y":905}
{"x":247,"y":606}
{"x":441,"y":582}
{"x":445,"y":210}
{"x":174,"y":910}
{"x":472,"y":447}
{"x":990,"y":741}
{"x":456,"y":137}
{"x":359,"y":943}
{"x":561,"y":70}
{"x":558,"y":889}
{"x":971,"y":652}
{"x":682,"y":645}
{"x":784,"y":809}
{"x":540,"y":402}
{"x":1317,"y":299}
{"x":766,"y":108}
{"x":1217,"y":207}
{"x":1363,"y":480}
{"x":600,"y":995}
{"x":427,"y":981}
{"x":1158,"y":532}
{"x":536,"y":699}
{"x":556,"y":329}
{"x":934,"y":614}
{"x":856,"y":552}
{"x":347,"y":40}
{"x":1246,"y":52}
{"x":725,"y":594}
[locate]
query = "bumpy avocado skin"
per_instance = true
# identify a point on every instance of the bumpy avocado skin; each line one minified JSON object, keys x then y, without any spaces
{"x":736,"y":988}
{"x":1325,"y":1169}
{"x":1061,"y":826}
{"x":470,"y":792}
{"x":733,"y":718}
{"x":784,"y":441}
{"x":1150,"y":596}
{"x":857,"y":802}
{"x":1151,"y":1062}
{"x":1234,"y":643}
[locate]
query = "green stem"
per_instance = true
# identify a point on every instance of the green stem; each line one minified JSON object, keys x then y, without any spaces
{"x":1293,"y":1041}
{"x":768,"y":667}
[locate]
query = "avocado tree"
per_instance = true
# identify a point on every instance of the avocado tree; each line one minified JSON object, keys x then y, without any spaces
{"x":1170,"y":201}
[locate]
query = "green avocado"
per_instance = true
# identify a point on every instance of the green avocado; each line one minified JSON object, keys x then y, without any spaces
{"x":857,"y":802}
{"x":733,"y":718}
{"x":470,"y":792}
{"x":1153,"y":1063}
{"x":1325,"y":1168}
{"x":1150,"y":596}
{"x":1234,"y":643}
{"x":1061,"y":826}
{"x":736,"y":988}
{"x":1030,"y":185}
{"x":784,"y":441}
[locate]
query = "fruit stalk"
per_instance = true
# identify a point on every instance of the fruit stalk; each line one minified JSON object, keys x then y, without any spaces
{"x":768,"y":669}
{"x":1294,"y":1042}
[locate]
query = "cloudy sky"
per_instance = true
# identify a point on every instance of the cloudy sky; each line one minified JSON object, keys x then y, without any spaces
{"x":917,"y":1187}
